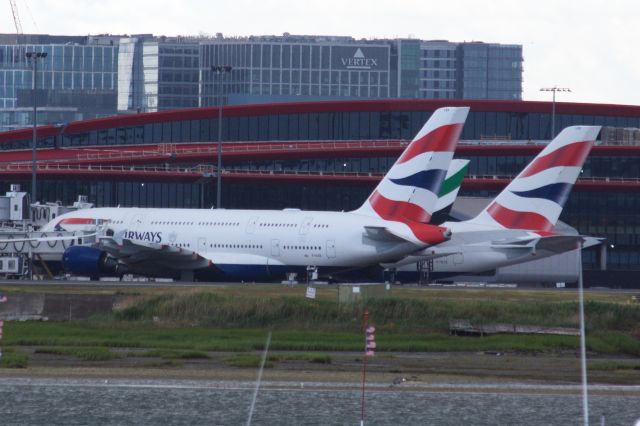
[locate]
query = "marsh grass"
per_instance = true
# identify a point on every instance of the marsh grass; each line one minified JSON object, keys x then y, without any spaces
{"x":613,"y":365}
{"x":172,"y":354}
{"x":391,"y":314}
{"x":180,"y":325}
{"x":83,"y":353}
{"x":13,"y":359}
{"x":252,"y":360}
{"x":183,"y":343}
{"x":165,"y":363}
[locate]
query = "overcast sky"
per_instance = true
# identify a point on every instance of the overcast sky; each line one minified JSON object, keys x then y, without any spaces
{"x":589,"y":46}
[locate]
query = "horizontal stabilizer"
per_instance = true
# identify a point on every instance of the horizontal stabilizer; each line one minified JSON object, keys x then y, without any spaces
{"x":381,"y":233}
{"x":552,"y":243}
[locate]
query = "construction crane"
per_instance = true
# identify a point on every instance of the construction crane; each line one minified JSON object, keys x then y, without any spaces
{"x":16,"y":19}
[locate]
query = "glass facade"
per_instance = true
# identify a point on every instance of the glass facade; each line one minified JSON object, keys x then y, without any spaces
{"x":438,"y":70}
{"x":156,"y":75}
{"x":130,"y":79}
{"x":366,"y":125}
{"x":409,"y":69}
{"x":288,"y":68}
{"x":72,"y":76}
{"x":489,"y":71}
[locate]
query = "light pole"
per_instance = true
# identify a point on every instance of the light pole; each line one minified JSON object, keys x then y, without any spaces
{"x":554,"y":89}
{"x":34,"y":56}
{"x":219,"y":70}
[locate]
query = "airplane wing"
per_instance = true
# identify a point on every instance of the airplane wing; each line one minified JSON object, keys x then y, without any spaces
{"x":144,"y":254}
{"x":135,"y":252}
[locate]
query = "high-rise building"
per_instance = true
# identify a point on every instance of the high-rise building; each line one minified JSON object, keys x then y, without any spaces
{"x":157,"y":74}
{"x":489,"y":71}
{"x":76,"y":80}
{"x":437,"y":69}
{"x":87,"y":77}
{"x":292,"y":68}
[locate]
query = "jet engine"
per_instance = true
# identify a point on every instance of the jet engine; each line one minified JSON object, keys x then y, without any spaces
{"x":91,"y":262}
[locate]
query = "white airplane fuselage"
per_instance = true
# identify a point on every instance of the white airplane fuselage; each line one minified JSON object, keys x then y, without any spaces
{"x":474,"y":249}
{"x":246,"y":244}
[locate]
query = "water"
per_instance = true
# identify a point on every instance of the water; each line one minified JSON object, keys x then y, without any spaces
{"x":183,"y":402}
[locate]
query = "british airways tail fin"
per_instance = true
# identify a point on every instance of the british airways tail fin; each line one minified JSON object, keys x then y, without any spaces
{"x":536,"y":197}
{"x":451,"y":185}
{"x":409,"y":191}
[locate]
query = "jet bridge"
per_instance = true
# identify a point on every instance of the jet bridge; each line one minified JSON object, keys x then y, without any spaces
{"x":24,"y":254}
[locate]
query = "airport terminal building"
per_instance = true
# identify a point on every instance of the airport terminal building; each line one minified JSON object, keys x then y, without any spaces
{"x":329,"y":155}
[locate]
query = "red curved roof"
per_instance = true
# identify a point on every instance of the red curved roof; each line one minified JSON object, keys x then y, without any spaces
{"x":198,"y":173}
{"x":205,"y":152}
{"x":326,"y":106}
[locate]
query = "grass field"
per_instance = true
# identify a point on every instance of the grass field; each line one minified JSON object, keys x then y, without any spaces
{"x":236,"y":317}
{"x":171,"y":326}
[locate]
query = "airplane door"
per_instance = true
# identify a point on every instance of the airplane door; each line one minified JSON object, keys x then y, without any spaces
{"x":305,"y":225}
{"x":275,"y":247}
{"x":202,"y":244}
{"x":251,"y":226}
{"x":331,"y":249}
{"x":458,"y":259}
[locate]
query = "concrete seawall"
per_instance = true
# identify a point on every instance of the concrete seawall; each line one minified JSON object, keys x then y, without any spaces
{"x":55,"y":307}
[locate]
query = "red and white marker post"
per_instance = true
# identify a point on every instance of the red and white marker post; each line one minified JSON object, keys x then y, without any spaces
{"x":369,"y":350}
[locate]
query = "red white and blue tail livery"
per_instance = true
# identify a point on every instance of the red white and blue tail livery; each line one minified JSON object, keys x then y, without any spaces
{"x":517,"y":226}
{"x":409,"y":191}
{"x":535,"y":198}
